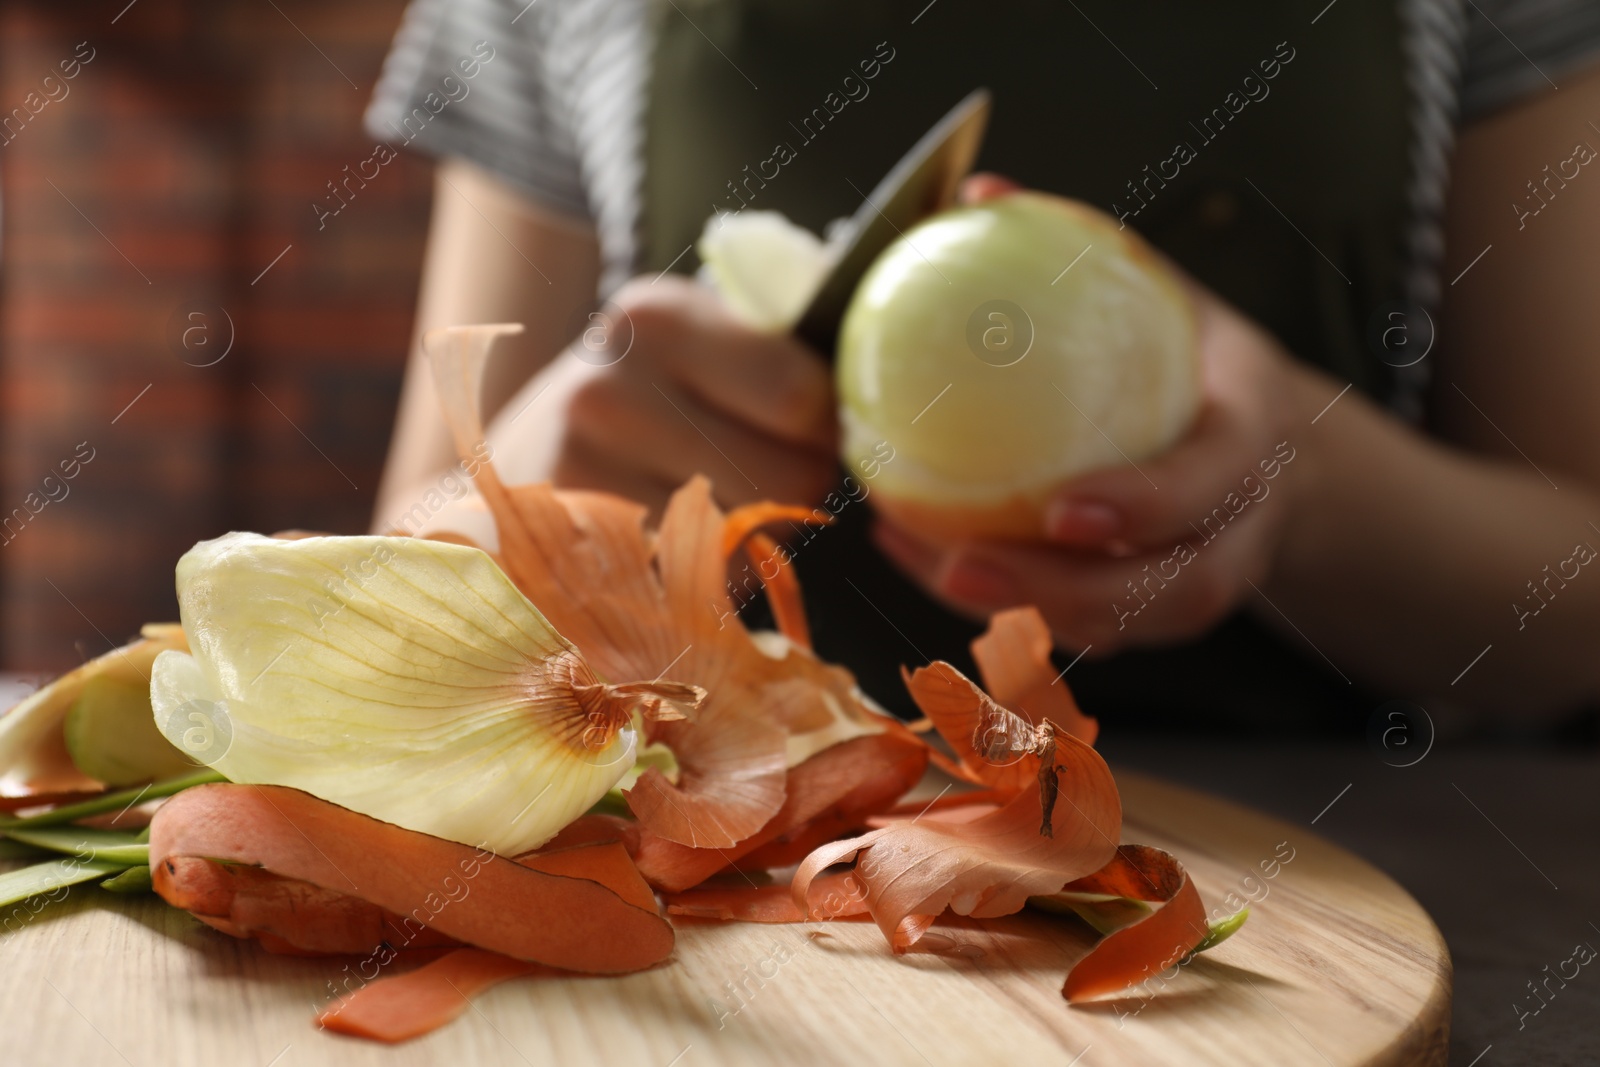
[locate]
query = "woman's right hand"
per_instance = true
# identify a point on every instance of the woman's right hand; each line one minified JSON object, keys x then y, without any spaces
{"x":664,"y":383}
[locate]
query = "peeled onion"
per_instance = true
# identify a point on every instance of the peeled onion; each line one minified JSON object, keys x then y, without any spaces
{"x":1004,"y":348}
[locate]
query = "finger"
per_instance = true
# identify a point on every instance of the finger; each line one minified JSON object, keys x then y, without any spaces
{"x":580,"y":466}
{"x":1197,"y":488}
{"x":1157,"y":598}
{"x":1227,"y":463}
{"x":659,"y":429}
{"x":976,"y":188}
{"x":770,"y":381}
{"x":1089,"y":600}
{"x":975,"y":588}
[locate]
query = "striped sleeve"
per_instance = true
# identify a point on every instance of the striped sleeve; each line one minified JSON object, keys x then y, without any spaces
{"x":469,"y":78}
{"x":547,"y":94}
{"x":1516,"y":48}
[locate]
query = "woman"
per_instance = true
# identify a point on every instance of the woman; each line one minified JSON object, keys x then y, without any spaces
{"x":1362,"y":273}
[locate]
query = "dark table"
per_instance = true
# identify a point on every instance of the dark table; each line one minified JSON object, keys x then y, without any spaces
{"x":1500,"y":844}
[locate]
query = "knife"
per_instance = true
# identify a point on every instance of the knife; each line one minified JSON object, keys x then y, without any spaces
{"x":921,"y":184}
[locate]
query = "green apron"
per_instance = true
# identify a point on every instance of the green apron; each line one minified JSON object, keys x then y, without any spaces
{"x":1267,"y":155}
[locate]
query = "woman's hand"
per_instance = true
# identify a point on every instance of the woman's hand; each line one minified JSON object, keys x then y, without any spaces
{"x":1438,"y":572}
{"x":664,"y":383}
{"x":1164,"y":550}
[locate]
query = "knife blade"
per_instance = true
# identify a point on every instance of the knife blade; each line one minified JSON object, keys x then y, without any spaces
{"x":921,"y":184}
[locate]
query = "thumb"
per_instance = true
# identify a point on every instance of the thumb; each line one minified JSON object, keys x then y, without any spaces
{"x":977,"y":188}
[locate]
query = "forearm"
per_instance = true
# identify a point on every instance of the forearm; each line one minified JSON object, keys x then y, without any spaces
{"x":493,"y":256}
{"x":527,"y":436}
{"x":1405,"y":559}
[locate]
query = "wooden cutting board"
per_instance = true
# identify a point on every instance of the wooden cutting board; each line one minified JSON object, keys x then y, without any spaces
{"x":1336,"y":966}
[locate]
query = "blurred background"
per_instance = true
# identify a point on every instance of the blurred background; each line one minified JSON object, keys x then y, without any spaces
{"x":152,"y":205}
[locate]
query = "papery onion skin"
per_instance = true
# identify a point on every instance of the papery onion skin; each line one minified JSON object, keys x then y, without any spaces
{"x":35,"y":761}
{"x":407,"y":680}
{"x":1004,"y":348}
{"x":639,"y":601}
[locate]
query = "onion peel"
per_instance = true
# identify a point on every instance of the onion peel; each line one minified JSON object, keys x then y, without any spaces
{"x":831,"y":793}
{"x":289,"y":916}
{"x":400,"y":1007}
{"x":1154,"y":943}
{"x":783,"y":590}
{"x":990,"y":734}
{"x":1058,"y":811}
{"x":841,"y":894}
{"x":640,"y":605}
{"x":1013,"y":657}
{"x":502,"y":905}
{"x":35,"y":765}
{"x":989,"y":866}
{"x":356,"y":667}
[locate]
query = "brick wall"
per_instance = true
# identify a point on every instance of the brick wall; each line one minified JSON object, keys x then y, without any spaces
{"x":163,"y":179}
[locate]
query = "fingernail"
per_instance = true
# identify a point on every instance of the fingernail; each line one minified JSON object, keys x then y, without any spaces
{"x":1085,"y":522}
{"x":979,"y":582}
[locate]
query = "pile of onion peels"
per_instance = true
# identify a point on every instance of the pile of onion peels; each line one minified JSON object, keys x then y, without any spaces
{"x":528,"y":757}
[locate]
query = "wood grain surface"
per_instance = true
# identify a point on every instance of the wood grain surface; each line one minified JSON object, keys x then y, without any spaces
{"x":1336,"y":966}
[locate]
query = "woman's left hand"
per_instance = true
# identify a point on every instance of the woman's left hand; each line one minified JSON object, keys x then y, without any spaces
{"x":1161,"y":551}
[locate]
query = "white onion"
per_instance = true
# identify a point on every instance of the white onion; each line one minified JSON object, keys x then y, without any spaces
{"x":1002,"y":349}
